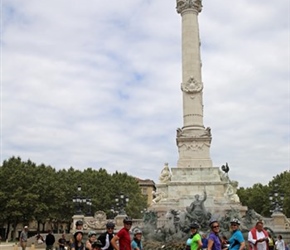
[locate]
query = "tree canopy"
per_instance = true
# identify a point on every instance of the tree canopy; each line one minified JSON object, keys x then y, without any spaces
{"x":257,"y":196}
{"x":39,"y":192}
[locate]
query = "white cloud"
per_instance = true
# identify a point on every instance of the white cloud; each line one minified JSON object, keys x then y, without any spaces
{"x":98,"y":84}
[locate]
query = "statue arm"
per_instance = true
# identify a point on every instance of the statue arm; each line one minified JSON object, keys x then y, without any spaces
{"x":204,"y":195}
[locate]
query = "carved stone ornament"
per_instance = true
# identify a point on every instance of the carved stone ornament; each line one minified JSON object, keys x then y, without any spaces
{"x":99,"y":221}
{"x":182,"y":5}
{"x":191,"y":86}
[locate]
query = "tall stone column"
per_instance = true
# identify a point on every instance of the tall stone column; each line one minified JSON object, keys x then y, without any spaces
{"x":193,"y":140}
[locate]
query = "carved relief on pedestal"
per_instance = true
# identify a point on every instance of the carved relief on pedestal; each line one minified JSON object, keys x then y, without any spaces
{"x":193,"y":134}
{"x":98,"y":222}
{"x":194,"y":146}
{"x":192,"y":86}
{"x":182,"y":5}
{"x":207,"y":132}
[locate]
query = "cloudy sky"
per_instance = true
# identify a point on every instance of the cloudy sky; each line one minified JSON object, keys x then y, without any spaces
{"x":97,"y":84}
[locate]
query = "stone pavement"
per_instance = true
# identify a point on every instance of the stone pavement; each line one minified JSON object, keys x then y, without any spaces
{"x":12,"y":246}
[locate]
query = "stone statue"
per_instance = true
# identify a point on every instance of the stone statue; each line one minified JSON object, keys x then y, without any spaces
{"x":231,"y":191}
{"x":196,"y":211}
{"x":197,"y":205}
{"x":158,"y":196}
{"x":165,"y":175}
{"x":225,"y":168}
{"x":224,"y":173}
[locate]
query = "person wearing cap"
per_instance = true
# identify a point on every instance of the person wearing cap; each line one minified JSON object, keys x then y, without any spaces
{"x":77,"y":243}
{"x":136,"y":243}
{"x":123,"y":236}
{"x":79,"y":225}
{"x":23,"y":237}
{"x":236,"y":241}
{"x":194,"y":241}
{"x":107,"y":236}
{"x":97,"y":245}
{"x":92,"y":236}
{"x":258,"y":237}
{"x":214,"y":241}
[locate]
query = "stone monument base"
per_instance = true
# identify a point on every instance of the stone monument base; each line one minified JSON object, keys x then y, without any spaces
{"x":185,"y":185}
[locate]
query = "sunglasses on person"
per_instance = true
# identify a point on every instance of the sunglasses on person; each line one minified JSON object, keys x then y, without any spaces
{"x":128,"y":223}
{"x":216,"y":226}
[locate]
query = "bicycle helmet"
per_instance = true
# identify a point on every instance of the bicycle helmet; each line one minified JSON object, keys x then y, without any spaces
{"x":127,"y":219}
{"x":110,"y":224}
{"x":213,"y":221}
{"x":78,"y":232}
{"x":79,"y":223}
{"x":96,"y":244}
{"x":194,"y":225}
{"x":137,"y":231}
{"x":91,"y":233}
{"x":236,"y":221}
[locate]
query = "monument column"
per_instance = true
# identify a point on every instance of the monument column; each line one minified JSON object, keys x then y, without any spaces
{"x":193,"y":140}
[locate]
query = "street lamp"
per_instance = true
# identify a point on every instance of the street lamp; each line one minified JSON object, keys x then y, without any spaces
{"x":276,"y":200}
{"x":82,"y":202}
{"x":143,"y":212}
{"x":89,"y":206}
{"x":121,"y":202}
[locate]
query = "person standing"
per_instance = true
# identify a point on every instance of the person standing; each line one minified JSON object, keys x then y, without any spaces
{"x":280,"y":244}
{"x":79,"y":225}
{"x":49,"y":240}
{"x":77,"y":243}
{"x":23,"y":237}
{"x":97,"y":245}
{"x":136,"y":243}
{"x":214,"y":241}
{"x":92,"y":236}
{"x":123,"y":236}
{"x":204,"y":241}
{"x":194,"y":240}
{"x":62,"y":242}
{"x":258,"y":237}
{"x":107,"y":236}
{"x":271,"y":243}
{"x":236,"y":241}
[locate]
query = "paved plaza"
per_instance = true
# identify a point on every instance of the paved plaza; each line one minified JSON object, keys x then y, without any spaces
{"x":11,"y":246}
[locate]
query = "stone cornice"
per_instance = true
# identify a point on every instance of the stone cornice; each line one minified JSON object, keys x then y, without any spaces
{"x":182,"y":5}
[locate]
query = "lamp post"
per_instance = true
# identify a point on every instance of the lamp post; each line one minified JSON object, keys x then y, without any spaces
{"x":81,"y":202}
{"x":143,"y":212}
{"x":115,"y":211}
{"x":121,"y":202}
{"x":276,"y":200}
{"x":89,"y":206}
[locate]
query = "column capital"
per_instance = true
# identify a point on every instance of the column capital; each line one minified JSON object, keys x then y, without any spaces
{"x":182,"y":5}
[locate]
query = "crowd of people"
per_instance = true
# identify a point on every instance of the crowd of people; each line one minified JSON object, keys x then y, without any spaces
{"x":258,"y":238}
{"x":108,"y":240}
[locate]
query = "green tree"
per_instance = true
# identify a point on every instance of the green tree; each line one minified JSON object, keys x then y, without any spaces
{"x":30,"y":192}
{"x":257,"y":197}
